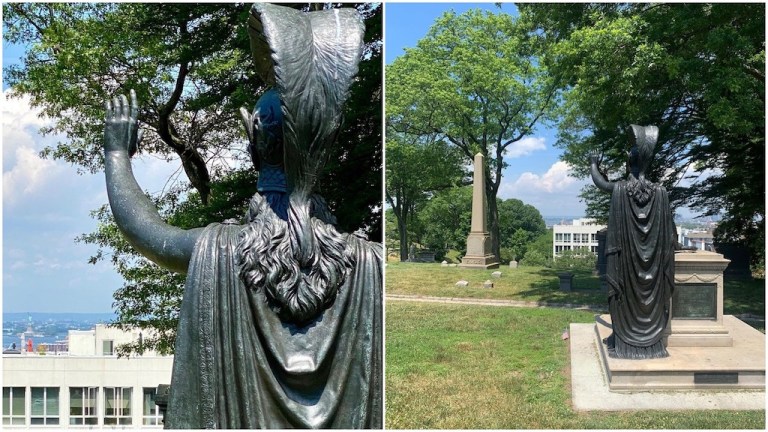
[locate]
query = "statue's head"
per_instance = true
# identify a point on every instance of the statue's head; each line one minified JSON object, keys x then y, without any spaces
{"x":642,"y":140}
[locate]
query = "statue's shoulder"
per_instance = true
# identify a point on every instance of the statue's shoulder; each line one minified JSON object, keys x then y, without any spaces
{"x":374,"y":248}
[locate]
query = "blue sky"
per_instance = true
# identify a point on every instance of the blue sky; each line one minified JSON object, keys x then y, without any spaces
{"x":45,"y":206}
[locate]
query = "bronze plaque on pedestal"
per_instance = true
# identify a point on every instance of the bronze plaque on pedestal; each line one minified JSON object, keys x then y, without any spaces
{"x":694,"y":301}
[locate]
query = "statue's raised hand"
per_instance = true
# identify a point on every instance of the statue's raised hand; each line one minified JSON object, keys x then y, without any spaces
{"x":121,"y":132}
{"x":594,"y":157}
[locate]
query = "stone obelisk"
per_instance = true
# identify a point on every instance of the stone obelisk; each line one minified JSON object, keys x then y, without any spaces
{"x":479,"y":253}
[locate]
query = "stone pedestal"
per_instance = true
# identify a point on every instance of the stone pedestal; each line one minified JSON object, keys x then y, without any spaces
{"x":737,"y":367}
{"x":697,"y":302}
{"x":706,"y":349}
{"x":478,"y":252}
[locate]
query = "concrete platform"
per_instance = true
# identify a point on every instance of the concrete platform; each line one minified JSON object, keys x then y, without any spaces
{"x":738,"y":367}
{"x":590,"y":390}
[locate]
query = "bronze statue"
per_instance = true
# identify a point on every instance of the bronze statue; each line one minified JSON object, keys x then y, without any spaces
{"x":640,"y":254}
{"x":281,"y":318}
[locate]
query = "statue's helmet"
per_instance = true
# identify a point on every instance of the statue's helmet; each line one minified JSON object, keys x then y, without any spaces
{"x":643,"y":142}
{"x":310,"y":60}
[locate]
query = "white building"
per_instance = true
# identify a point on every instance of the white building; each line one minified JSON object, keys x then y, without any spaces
{"x":87,"y":386}
{"x":700,"y":239}
{"x":581,"y":234}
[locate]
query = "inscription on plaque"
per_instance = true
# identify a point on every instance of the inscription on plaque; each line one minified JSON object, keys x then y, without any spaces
{"x":715,"y":378}
{"x":695,"y":301}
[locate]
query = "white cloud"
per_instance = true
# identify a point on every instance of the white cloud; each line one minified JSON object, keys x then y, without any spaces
{"x":24,"y":171}
{"x":556,"y":179}
{"x":29,"y":174}
{"x":553,"y":192}
{"x":525,"y":147}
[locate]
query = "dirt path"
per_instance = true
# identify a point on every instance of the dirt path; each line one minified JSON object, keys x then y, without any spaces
{"x":493,"y":302}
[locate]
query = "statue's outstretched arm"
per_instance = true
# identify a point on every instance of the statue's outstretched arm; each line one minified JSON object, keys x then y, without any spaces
{"x":134,"y":213}
{"x":600,"y":181}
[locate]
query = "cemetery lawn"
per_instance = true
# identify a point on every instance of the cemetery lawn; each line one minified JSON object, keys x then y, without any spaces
{"x":540,"y":284}
{"x":476,"y":367}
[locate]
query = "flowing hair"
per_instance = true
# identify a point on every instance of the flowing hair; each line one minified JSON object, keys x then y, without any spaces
{"x":299,"y":263}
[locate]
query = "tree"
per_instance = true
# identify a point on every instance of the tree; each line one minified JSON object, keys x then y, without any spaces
{"x":519,"y":225}
{"x":446,"y":219}
{"x":696,"y":71}
{"x":416,"y":168}
{"x":475,"y":81}
{"x":191,"y":67}
{"x":539,"y":252}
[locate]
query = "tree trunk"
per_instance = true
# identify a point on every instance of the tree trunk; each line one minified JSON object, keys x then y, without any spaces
{"x":493,"y":225}
{"x":402,"y":230}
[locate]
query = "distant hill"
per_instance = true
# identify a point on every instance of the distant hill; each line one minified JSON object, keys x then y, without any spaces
{"x":556,"y":220}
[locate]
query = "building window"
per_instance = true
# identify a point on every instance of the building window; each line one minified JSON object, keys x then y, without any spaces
{"x":107,"y":347}
{"x":45,"y":406}
{"x":13,"y":405}
{"x":594,"y":238}
{"x":593,"y":249}
{"x":566,"y":237}
{"x":117,"y":405}
{"x":82,"y":405}
{"x":151,"y":414}
{"x":558,"y":248}
{"x":559,"y":237}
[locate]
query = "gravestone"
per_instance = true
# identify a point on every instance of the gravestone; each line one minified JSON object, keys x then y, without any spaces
{"x":479,"y":255}
{"x":488,"y":284}
{"x":513,"y":264}
{"x":424,"y":256}
{"x":462,"y":284}
{"x":496,"y":274}
{"x":566,"y":281}
{"x":696,"y":317}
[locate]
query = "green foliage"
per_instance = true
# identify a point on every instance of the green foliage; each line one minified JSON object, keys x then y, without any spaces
{"x":695,"y":70}
{"x":476,"y":82}
{"x":446,"y":218}
{"x":415,"y":170}
{"x":534,"y":258}
{"x":191,"y":67}
{"x":519,"y":225}
{"x":539,"y":252}
{"x":577,"y":259}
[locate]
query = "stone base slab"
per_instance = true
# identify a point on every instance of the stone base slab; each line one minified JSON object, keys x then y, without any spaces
{"x":590,"y":392}
{"x":737,"y":367}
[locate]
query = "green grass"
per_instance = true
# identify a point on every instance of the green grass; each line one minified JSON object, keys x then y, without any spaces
{"x":477,"y":367}
{"x":539,"y":284}
{"x":523,"y":283}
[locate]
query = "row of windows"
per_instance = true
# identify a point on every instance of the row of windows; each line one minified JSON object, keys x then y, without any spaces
{"x":560,"y":248}
{"x":577,"y":238}
{"x":83,"y":406}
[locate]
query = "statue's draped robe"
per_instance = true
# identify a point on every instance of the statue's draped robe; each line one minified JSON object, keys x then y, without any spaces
{"x":640,"y":271}
{"x":238,"y":366}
